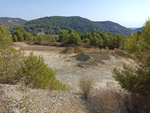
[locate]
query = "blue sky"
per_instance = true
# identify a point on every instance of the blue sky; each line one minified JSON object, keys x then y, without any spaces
{"x":129,"y":13}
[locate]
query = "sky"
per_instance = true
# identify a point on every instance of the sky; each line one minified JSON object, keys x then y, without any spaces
{"x":128,"y":13}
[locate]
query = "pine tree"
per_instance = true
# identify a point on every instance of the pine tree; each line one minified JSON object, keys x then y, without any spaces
{"x":37,"y":74}
{"x":73,"y":38}
{"x":19,"y":35}
{"x":15,"y":39}
{"x":5,"y":39}
{"x":137,"y":79}
{"x":10,"y":59}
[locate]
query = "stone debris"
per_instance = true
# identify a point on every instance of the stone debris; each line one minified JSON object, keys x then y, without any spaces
{"x":14,"y":99}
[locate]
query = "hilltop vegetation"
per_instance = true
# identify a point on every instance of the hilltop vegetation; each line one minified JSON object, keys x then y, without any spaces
{"x":115,"y":28}
{"x":10,"y":23}
{"x":52,"y":25}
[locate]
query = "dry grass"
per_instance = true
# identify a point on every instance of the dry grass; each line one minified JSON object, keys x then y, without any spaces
{"x":71,"y":50}
{"x":85,"y":85}
{"x":115,"y":100}
{"x":109,"y":100}
{"x":2,"y":106}
{"x":75,"y":106}
{"x":106,"y":101}
{"x":27,"y":101}
{"x":137,"y":104}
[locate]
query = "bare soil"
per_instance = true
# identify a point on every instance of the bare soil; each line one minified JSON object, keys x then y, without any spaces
{"x":94,"y":63}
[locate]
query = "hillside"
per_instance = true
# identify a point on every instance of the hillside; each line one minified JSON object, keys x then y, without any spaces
{"x":10,"y":23}
{"x":115,"y":28}
{"x":136,"y":29}
{"x":52,"y":25}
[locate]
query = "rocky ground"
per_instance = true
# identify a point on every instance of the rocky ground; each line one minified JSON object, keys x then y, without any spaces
{"x":71,"y":66}
{"x":73,"y":63}
{"x":20,"y":99}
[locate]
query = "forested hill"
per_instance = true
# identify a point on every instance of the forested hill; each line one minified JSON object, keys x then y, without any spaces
{"x":115,"y":28}
{"x":137,"y":29}
{"x":10,"y":23}
{"x":52,"y":25}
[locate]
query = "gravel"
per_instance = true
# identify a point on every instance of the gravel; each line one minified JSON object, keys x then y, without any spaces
{"x":19,"y":99}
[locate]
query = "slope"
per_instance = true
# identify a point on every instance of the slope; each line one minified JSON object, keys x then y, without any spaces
{"x":52,"y":25}
{"x":115,"y":28}
{"x":10,"y":23}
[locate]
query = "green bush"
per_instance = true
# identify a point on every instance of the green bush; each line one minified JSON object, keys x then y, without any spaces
{"x":10,"y":59}
{"x":137,"y":79}
{"x":5,"y":39}
{"x":14,"y":67}
{"x":37,"y":74}
{"x":86,"y":40}
{"x":74,"y":38}
{"x":19,"y":35}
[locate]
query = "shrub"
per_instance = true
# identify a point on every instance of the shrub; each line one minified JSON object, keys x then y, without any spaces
{"x":137,"y":79}
{"x":5,"y":39}
{"x":19,"y":35}
{"x":51,"y":40}
{"x":10,"y":59}
{"x":73,"y":38}
{"x":85,"y":85}
{"x":110,"y":99}
{"x":15,"y":39}
{"x":37,"y":74}
{"x":106,"y":101}
{"x":138,"y":105}
{"x":86,"y":40}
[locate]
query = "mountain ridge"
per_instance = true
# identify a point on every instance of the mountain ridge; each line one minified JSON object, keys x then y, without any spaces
{"x":115,"y":27}
{"x":53,"y":24}
{"x":136,"y":29}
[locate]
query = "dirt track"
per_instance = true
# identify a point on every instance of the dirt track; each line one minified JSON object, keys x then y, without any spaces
{"x":70,"y":70}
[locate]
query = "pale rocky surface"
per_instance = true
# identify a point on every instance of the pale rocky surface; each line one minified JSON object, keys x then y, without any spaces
{"x":70,"y":70}
{"x":15,"y":100}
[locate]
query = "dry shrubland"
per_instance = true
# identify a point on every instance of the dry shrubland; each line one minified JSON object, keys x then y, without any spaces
{"x":112,"y":99}
{"x":85,"y":85}
{"x":107,"y":100}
